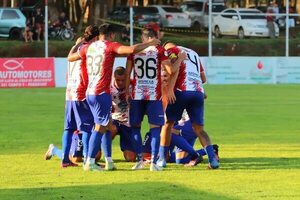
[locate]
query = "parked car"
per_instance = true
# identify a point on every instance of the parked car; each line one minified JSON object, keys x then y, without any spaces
{"x":141,"y":15}
{"x":12,"y":23}
{"x":172,"y":16}
{"x":198,"y":11}
{"x":236,"y":22}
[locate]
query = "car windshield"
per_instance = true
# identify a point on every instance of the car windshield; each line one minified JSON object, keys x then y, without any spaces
{"x":172,"y":9}
{"x":145,"y":10}
{"x":218,"y":8}
{"x":244,"y":15}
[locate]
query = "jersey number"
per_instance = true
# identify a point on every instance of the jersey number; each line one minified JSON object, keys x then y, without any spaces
{"x":195,"y":61}
{"x":149,"y":70}
{"x":94,"y":64}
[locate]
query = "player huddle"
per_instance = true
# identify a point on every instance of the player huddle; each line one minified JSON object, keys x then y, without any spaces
{"x":100,"y":103}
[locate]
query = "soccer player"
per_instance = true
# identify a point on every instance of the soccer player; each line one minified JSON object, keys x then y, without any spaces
{"x":190,"y":96}
{"x":77,"y":112}
{"x":146,"y":94}
{"x":120,"y":114}
{"x":100,"y":57}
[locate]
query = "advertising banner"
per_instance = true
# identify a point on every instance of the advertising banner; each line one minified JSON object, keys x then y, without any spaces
{"x":27,"y":72}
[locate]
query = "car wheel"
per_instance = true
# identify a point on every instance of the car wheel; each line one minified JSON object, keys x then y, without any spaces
{"x":217,"y":32}
{"x":15,"y":34}
{"x":241,"y":33}
{"x":197,"y":26}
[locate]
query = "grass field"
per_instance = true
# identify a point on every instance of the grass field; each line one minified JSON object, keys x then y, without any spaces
{"x":256,"y":126}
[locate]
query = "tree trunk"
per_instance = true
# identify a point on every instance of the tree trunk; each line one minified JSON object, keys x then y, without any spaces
{"x":4,"y":3}
{"x":123,"y":2}
{"x":140,"y":2}
{"x":150,"y":2}
{"x":78,"y":11}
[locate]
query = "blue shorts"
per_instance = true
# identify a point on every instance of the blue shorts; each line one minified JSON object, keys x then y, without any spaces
{"x":187,"y":132}
{"x":76,"y":149}
{"x":125,"y":136}
{"x":154,"y":110}
{"x":192,"y":101}
{"x":78,"y":116}
{"x":146,"y":148}
{"x":101,"y":106}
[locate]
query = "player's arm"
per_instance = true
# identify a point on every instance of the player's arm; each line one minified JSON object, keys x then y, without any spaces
{"x":74,"y":54}
{"x":202,"y":73}
{"x":137,"y":48}
{"x":127,"y":83}
{"x":172,"y":67}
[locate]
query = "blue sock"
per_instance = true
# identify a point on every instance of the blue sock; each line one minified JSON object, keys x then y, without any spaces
{"x":66,"y":145}
{"x":201,"y":152}
{"x":94,"y":144}
{"x":155,"y":141}
{"x":57,"y":152}
{"x":85,"y":143}
{"x":181,"y":143}
{"x":172,"y":157}
{"x":106,"y":144}
{"x":137,"y":142}
{"x":210,"y":153}
{"x":163,"y":150}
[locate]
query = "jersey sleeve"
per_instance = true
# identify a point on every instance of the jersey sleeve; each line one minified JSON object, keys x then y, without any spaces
{"x":201,"y":66}
{"x":163,"y":53}
{"x":114,"y":46}
{"x":82,"y":51}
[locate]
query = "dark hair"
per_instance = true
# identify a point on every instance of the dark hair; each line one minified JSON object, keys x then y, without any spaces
{"x":90,"y":32}
{"x":149,"y":32}
{"x":119,"y":71}
{"x":106,"y":29}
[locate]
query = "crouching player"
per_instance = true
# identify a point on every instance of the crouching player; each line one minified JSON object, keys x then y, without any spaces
{"x":120,"y":114}
{"x":181,"y":147}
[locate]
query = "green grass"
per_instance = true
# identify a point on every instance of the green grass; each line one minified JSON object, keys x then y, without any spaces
{"x":256,"y":126}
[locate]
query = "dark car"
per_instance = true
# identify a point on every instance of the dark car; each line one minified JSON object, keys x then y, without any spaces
{"x":141,"y":15}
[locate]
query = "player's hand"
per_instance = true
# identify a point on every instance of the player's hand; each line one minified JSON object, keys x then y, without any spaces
{"x":171,"y":97}
{"x":182,"y":55}
{"x":154,"y":42}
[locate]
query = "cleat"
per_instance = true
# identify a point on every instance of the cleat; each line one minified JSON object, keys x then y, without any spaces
{"x":155,"y":167}
{"x":92,"y":167}
{"x":216,"y":150}
{"x":70,"y":164}
{"x":48,"y":154}
{"x":194,"y":162}
{"x":161,"y":163}
{"x":214,"y":164}
{"x":110,"y":166}
{"x":138,"y":165}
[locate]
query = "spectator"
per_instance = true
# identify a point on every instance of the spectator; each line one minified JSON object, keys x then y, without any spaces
{"x":270,"y":20}
{"x":62,"y":21}
{"x":28,"y":32}
{"x":292,"y":22}
{"x":38,"y":21}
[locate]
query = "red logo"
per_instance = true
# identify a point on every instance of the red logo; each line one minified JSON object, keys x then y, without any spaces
{"x":259,"y":65}
{"x":13,"y":64}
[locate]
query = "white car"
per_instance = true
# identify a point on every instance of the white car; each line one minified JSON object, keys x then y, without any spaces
{"x":237,"y":22}
{"x":173,"y":17}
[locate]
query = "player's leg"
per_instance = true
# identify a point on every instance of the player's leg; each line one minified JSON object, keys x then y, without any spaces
{"x":69,"y":128}
{"x":146,"y":148}
{"x":85,"y":123}
{"x":53,"y":151}
{"x":156,"y":120}
{"x":101,"y":107}
{"x":173,"y":114}
{"x":76,"y":150}
{"x":126,"y":144}
{"x":195,"y":110}
{"x":136,"y":114}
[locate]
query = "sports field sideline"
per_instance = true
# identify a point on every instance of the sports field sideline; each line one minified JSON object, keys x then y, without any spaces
{"x":256,"y":126}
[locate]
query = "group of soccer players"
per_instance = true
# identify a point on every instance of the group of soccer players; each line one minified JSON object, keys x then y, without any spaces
{"x":100,"y":103}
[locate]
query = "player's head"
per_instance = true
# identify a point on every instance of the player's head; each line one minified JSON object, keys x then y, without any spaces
{"x":107,"y":31}
{"x":171,"y":50}
{"x":147,"y":34}
{"x":90,"y":32}
{"x":168,"y":45}
{"x":120,"y":77}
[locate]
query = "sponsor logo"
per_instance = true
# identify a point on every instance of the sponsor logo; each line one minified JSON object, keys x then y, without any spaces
{"x":13,"y":64}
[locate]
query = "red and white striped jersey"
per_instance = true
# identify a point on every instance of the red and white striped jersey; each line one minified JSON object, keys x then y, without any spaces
{"x":100,"y":58}
{"x":189,"y":73}
{"x":146,"y":84}
{"x":77,"y":78}
{"x":120,"y":108}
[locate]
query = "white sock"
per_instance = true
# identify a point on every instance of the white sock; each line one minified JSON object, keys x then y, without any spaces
{"x":108,"y":159}
{"x":90,"y":160}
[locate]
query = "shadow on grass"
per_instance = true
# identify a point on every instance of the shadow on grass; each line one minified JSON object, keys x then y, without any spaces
{"x":259,"y":163}
{"x":138,"y":190}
